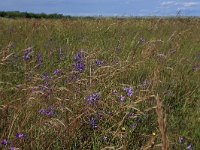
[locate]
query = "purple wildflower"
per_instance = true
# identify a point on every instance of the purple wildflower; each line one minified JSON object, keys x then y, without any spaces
{"x":145,"y":83}
{"x":78,"y":59}
{"x":4,"y":142}
{"x":99,"y":62}
{"x":80,"y":66}
{"x":56,"y":71}
{"x":93,"y":98}
{"x":26,"y":55}
{"x":189,"y":146}
{"x":114,"y":91}
{"x":13,"y":148}
{"x":121,"y":98}
{"x":45,"y":75}
{"x":49,"y":111}
{"x":92,"y":122}
{"x":19,"y":135}
{"x":79,"y":56}
{"x":181,"y":139}
{"x":33,"y":88}
{"x":42,"y":111}
{"x":129,"y":91}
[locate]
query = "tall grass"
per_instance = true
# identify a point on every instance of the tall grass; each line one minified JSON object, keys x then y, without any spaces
{"x":100,"y":84}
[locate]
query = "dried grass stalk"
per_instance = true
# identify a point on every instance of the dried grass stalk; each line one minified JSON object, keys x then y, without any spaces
{"x":162,"y":124}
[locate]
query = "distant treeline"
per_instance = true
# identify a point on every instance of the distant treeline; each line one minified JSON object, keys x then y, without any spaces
{"x":17,"y":14}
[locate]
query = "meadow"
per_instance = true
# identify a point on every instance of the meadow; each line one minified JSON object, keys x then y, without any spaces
{"x":100,"y":84}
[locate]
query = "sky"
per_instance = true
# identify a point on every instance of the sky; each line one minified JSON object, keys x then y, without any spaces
{"x":105,"y":7}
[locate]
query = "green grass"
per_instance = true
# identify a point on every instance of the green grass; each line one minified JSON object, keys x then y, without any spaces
{"x":128,"y":62}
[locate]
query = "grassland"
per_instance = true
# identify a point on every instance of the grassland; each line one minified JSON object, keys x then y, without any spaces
{"x":95,"y":84}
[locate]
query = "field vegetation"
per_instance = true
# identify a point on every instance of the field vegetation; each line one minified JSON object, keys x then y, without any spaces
{"x":100,"y":84}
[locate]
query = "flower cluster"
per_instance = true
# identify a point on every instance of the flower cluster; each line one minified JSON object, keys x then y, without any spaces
{"x":93,"y":98}
{"x":48,"y":112}
{"x":121,"y":97}
{"x":129,"y":91}
{"x":99,"y":62}
{"x":18,"y":135}
{"x":27,"y":53}
{"x":182,"y":141}
{"x":93,"y":123}
{"x":78,"y":61}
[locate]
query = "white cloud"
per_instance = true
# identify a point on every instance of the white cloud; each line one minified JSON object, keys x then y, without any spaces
{"x":179,"y":4}
{"x":190,"y":4}
{"x":167,"y":3}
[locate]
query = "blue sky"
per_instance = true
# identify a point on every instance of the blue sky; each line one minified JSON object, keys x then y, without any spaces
{"x":105,"y":7}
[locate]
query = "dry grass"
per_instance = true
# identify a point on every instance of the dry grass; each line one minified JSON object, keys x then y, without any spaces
{"x":154,"y":57}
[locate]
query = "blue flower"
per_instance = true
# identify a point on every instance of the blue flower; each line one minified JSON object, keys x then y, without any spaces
{"x":145,"y":83}
{"x":92,"y":122}
{"x":99,"y":62}
{"x":181,"y":139}
{"x":26,"y":55}
{"x":19,"y":135}
{"x":79,"y":56}
{"x":78,"y":59}
{"x":93,"y":98}
{"x":114,"y":91}
{"x":12,"y":148}
{"x":56,"y":71}
{"x":4,"y":142}
{"x":129,"y":91}
{"x":189,"y":146}
{"x":48,"y":112}
{"x":42,"y":111}
{"x":121,"y":98}
{"x":80,"y":66}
